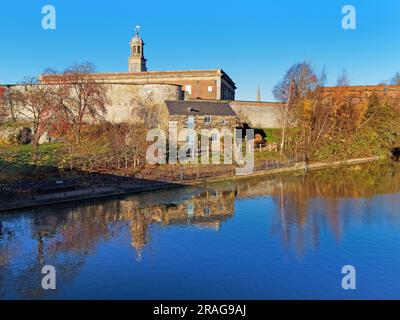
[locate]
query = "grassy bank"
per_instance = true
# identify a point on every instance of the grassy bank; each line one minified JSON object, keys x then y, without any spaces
{"x":17,"y":162}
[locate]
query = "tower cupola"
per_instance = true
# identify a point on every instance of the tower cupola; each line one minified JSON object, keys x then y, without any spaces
{"x":136,"y":61}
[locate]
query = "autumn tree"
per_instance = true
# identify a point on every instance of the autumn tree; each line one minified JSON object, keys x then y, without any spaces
{"x":148,"y":112}
{"x":381,"y":123}
{"x":296,"y":91}
{"x":78,"y":98}
{"x":116,"y":146}
{"x":8,"y":97}
{"x":35,"y":105}
{"x":3,"y":113}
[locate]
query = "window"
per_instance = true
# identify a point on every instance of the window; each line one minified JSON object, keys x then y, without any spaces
{"x":190,"y":123}
{"x":210,"y":89}
{"x":190,"y":153}
{"x":224,"y":122}
{"x":214,"y":137}
{"x":207,"y":211}
{"x":189,"y":89}
{"x":207,"y":120}
{"x":190,"y":140}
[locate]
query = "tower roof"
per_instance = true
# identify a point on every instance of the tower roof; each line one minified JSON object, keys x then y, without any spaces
{"x":137,"y":38}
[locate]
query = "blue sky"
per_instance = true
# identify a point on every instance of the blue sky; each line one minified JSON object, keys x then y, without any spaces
{"x":255,"y":42}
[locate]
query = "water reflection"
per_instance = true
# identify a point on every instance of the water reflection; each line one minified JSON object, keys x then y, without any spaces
{"x":303,"y":205}
{"x":64,"y":236}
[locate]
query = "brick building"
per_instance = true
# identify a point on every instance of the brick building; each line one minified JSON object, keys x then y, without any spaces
{"x":357,"y":94}
{"x":196,"y":84}
{"x":212,"y":84}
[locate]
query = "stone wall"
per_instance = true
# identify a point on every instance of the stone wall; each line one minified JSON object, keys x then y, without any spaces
{"x":258,"y":114}
{"x":126,"y":100}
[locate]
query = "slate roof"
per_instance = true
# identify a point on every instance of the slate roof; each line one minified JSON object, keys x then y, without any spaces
{"x":200,"y":108}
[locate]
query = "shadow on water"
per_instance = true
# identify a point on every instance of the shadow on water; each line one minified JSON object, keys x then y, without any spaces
{"x":65,"y":235}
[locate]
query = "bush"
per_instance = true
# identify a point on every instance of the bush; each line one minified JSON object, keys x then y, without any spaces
{"x":107,"y":147}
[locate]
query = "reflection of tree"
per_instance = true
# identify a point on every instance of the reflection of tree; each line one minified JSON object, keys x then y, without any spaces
{"x":8,"y":247}
{"x":7,"y":243}
{"x":65,"y":239}
{"x":306,"y":203}
{"x":139,"y":231}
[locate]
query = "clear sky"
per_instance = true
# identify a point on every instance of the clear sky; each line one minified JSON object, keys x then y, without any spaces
{"x":255,"y":42}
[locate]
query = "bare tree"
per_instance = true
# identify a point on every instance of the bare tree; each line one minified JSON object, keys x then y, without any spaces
{"x":343,"y":79}
{"x":34,"y":104}
{"x":3,"y":112}
{"x":285,"y":112}
{"x":150,"y":115}
{"x":396,"y":79}
{"x":148,"y":111}
{"x":77,"y":96}
{"x":8,"y":96}
{"x":298,"y":83}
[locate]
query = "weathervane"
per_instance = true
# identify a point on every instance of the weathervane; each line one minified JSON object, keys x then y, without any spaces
{"x":137,"y":29}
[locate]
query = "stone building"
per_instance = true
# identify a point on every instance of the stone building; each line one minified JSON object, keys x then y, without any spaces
{"x":207,"y":118}
{"x":212,"y":84}
{"x":129,"y":92}
{"x":196,"y":84}
{"x":135,"y":89}
{"x":199,"y":115}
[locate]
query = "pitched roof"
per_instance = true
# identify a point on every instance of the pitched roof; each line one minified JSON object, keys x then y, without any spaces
{"x":201,"y":108}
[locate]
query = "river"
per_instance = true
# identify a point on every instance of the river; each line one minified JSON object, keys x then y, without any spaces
{"x":273,"y":237}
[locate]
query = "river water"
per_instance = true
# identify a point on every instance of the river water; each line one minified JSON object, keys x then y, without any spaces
{"x":275,"y":237}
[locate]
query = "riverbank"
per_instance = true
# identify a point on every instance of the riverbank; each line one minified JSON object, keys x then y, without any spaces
{"x":141,"y":185}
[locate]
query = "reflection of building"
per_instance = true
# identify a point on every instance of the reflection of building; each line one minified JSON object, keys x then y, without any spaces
{"x":207,"y":209}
